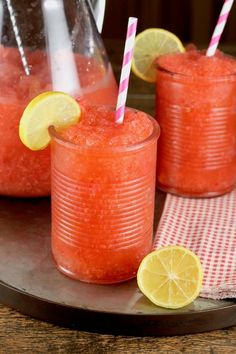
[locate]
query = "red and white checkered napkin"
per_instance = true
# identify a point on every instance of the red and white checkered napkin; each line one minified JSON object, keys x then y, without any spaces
{"x":208,"y":228}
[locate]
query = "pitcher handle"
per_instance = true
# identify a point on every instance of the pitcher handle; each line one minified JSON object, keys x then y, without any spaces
{"x":99,"y":12}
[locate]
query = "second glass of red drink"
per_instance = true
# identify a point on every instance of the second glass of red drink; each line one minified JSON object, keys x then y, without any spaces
{"x":196,"y":110}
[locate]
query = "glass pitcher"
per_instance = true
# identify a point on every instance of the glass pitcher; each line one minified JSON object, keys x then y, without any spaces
{"x":45,"y":45}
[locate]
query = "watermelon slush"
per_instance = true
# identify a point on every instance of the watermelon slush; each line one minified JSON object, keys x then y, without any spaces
{"x":24,"y":172}
{"x":103,"y":187}
{"x":196,"y":109}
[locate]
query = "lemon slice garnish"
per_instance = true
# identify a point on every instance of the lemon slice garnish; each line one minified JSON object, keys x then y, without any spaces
{"x":149,"y":45}
{"x":49,"y":108}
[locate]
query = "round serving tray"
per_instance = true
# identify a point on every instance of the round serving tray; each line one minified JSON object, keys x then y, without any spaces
{"x":30,"y":283}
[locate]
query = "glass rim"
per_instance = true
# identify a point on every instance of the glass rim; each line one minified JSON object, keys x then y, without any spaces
{"x":184,"y":75}
{"x":109,"y":149}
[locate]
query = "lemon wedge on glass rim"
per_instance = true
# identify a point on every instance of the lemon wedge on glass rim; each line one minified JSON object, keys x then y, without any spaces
{"x":170,"y":277}
{"x":49,"y":108}
{"x":149,"y":45}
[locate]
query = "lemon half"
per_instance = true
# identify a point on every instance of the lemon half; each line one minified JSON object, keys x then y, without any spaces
{"x":170,"y":277}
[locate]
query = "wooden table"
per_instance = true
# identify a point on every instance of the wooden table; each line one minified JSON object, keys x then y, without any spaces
{"x":19,"y":333}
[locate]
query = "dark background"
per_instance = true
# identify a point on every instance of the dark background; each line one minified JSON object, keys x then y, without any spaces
{"x":193,"y":21}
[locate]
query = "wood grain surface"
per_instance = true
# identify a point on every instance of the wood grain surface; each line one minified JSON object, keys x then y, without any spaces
{"x":21,"y":334}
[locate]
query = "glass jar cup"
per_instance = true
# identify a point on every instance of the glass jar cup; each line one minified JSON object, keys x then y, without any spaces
{"x":197,"y":147}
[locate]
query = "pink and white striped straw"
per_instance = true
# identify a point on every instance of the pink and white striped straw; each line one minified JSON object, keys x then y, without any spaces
{"x":219,"y":28}
{"x":125,"y":71}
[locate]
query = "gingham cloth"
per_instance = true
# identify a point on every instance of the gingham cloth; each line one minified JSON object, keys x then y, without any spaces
{"x":208,"y":228}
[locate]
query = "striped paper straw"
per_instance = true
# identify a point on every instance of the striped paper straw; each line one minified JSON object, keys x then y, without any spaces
{"x":219,"y":27}
{"x":125,"y":71}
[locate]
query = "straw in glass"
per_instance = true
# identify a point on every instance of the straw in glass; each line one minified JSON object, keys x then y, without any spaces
{"x":215,"y":39}
{"x":125,"y":71}
{"x":17,"y":37}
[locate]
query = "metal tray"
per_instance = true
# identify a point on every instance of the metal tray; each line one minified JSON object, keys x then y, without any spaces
{"x":30,"y":283}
